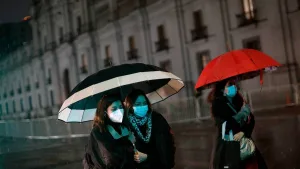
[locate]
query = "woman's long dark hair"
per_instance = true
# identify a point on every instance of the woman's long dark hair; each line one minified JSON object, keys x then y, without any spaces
{"x":131,"y":98}
{"x":218,"y":92}
{"x":101,"y":119}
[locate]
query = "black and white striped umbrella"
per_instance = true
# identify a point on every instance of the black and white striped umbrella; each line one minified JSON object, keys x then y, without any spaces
{"x":157,"y":83}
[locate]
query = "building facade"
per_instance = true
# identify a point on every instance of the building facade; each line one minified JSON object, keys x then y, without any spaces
{"x":72,"y":39}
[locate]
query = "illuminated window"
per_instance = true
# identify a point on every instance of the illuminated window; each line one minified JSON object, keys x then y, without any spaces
{"x":248,"y":8}
{"x":84,"y":60}
{"x":202,"y":59}
{"x":131,"y":42}
{"x":107,"y":51}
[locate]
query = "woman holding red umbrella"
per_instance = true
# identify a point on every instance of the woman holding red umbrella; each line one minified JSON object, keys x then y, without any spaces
{"x":234,"y":148}
{"x":228,"y":105}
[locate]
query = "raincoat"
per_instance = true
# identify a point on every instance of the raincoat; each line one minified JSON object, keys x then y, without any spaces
{"x":223,"y":112}
{"x":105,"y":152}
{"x":161,"y":148}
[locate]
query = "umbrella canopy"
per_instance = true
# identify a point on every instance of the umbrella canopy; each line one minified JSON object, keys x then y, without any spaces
{"x":157,"y":83}
{"x":244,"y":62}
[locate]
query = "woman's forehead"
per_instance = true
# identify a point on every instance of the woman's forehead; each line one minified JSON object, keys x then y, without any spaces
{"x":140,"y":99}
{"x":116,"y":103}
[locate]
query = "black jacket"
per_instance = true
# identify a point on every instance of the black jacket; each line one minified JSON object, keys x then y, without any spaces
{"x":105,"y":152}
{"x":161,"y":147}
{"x":222,"y":112}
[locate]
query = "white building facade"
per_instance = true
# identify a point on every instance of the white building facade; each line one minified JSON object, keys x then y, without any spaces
{"x":75,"y":38}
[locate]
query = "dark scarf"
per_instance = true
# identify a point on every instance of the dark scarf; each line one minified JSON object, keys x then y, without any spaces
{"x":136,"y":123}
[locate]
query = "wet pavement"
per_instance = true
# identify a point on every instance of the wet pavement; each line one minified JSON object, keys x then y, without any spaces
{"x":276,"y":135}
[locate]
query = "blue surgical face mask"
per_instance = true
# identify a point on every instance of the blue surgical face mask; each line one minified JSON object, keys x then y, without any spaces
{"x":231,"y":91}
{"x":140,"y":111}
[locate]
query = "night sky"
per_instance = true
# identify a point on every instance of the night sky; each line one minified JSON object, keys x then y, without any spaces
{"x":13,"y":10}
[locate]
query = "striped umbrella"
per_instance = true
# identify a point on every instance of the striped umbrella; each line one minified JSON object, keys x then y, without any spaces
{"x":157,"y":83}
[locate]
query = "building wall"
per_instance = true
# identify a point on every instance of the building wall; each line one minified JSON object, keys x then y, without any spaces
{"x":276,"y":29}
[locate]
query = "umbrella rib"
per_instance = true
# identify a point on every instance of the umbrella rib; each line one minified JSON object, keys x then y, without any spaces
{"x":92,"y":94}
{"x":236,"y":69}
{"x":159,"y":94}
{"x":152,"y":87}
{"x":251,"y":59}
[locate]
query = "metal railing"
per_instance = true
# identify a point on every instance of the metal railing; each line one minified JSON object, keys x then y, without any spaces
{"x":199,"y":33}
{"x":247,"y":18}
{"x":162,"y":44}
{"x":175,"y":111}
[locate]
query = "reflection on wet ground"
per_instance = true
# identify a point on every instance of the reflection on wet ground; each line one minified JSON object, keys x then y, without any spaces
{"x":276,"y":135}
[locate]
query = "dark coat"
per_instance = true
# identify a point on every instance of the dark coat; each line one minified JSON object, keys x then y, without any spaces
{"x":105,"y":152}
{"x":222,"y":112}
{"x":161,"y":148}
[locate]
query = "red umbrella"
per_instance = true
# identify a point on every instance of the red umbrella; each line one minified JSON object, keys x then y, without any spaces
{"x":245,"y":62}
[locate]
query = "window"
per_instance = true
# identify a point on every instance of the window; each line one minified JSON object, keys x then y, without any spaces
{"x":28,"y":81}
{"x":131,"y":42}
{"x":67,"y":82}
{"x":36,"y":77}
{"x":202,"y":59}
{"x":21,"y":105}
{"x":161,"y":32}
{"x":84,"y":60}
{"x":166,"y":65}
{"x":30,"y":103}
{"x":51,"y":98}
{"x":197,"y":15}
{"x":252,"y":43}
{"x":61,"y":32}
{"x":0,"y":109}
{"x":40,"y":101}
{"x":107,"y":51}
{"x":162,"y":43}
{"x":49,"y":74}
{"x":248,"y":8}
{"x":45,"y":41}
{"x":14,"y":107}
{"x":83,"y":64}
{"x":7,"y":108}
{"x":79,"y":24}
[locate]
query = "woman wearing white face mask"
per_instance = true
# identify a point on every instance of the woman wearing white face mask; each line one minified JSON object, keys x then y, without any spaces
{"x":110,"y":142}
{"x":154,"y":139}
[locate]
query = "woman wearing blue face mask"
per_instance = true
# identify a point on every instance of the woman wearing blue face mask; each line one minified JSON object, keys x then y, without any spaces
{"x":228,"y":105}
{"x":154,"y":140}
{"x":110,"y":142}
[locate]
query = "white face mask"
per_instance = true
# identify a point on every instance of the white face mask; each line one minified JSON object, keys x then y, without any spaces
{"x":116,"y":116}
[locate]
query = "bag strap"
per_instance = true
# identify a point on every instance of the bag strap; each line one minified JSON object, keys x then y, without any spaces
{"x":232,"y":108}
{"x":223,"y":132}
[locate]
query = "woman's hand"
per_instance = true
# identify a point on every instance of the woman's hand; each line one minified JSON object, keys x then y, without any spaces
{"x":140,"y":157}
{"x":238,"y":136}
